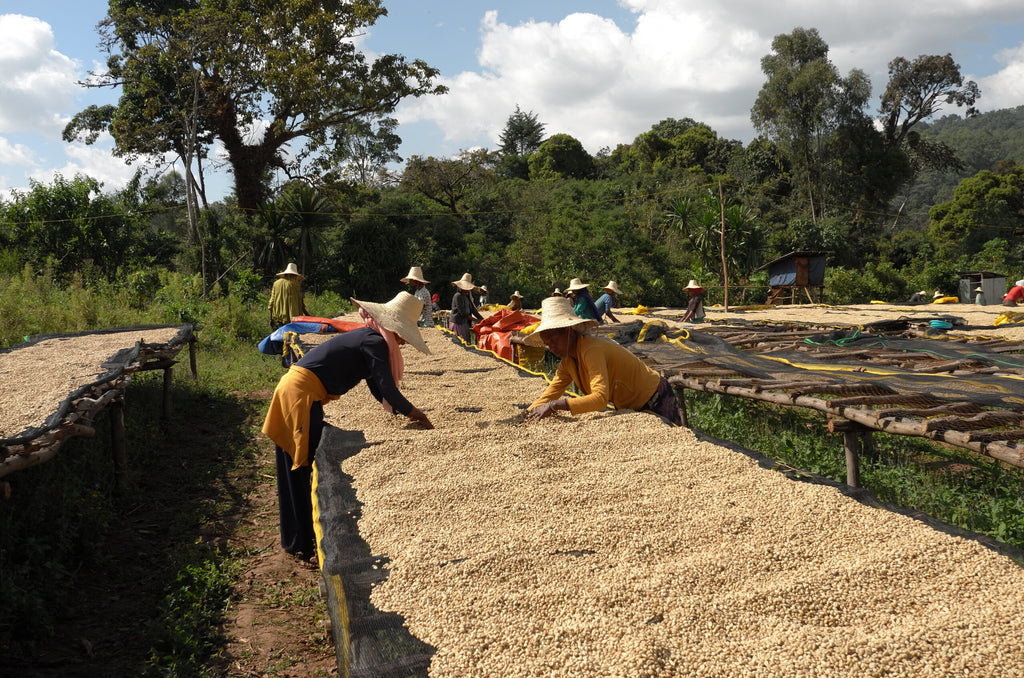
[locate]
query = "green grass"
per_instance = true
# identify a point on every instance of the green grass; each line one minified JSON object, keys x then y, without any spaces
{"x":951,"y":485}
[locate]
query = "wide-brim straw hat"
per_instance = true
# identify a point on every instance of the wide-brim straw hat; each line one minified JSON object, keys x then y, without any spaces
{"x":556,"y":313}
{"x":576,"y":284}
{"x":415,"y":274}
{"x":693,"y":285}
{"x":937,"y":294}
{"x":978,"y":289}
{"x":399,"y":316}
{"x":1019,"y":283}
{"x":517,"y":295}
{"x":483,"y":288}
{"x":612,"y":287}
{"x":556,"y":293}
{"x":291,"y":269}
{"x":922,"y":293}
{"x":465,"y":282}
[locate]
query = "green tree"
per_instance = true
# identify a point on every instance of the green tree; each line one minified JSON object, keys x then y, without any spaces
{"x":916,"y":91}
{"x":446,"y":181}
{"x":701,"y":222}
{"x":802,"y":103}
{"x":308,"y":213}
{"x":561,"y":156}
{"x":522,"y":136}
{"x":71,"y":222}
{"x":257,"y":76}
{"x":366,"y":148}
{"x":985,"y":206}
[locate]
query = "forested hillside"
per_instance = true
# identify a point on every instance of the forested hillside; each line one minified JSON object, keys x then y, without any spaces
{"x":989,"y":141}
{"x":901,"y":201}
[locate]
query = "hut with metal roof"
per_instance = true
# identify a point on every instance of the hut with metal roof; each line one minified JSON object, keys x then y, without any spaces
{"x":796,"y":275}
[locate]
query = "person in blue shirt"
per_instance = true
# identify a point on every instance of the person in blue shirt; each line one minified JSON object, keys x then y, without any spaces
{"x":582,"y":303}
{"x":605,"y":301}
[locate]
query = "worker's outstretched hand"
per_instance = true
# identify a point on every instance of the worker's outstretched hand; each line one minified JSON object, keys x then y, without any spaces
{"x":417,"y":416}
{"x":547,"y":409}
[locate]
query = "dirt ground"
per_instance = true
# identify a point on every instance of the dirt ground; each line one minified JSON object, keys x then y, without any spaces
{"x":279,"y":626}
{"x":275,"y":626}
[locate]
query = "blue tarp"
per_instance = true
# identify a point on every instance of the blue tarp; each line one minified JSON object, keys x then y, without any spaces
{"x":273,"y":344}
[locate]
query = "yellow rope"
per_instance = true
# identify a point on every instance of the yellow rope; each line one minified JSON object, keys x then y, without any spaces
{"x":290,"y":341}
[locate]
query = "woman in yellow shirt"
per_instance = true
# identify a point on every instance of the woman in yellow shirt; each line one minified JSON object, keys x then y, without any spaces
{"x":603,"y":370}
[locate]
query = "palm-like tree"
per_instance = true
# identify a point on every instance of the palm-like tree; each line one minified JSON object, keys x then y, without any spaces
{"x":309,"y":213}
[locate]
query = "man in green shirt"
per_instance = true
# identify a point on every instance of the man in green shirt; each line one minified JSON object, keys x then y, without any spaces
{"x":286,"y":300}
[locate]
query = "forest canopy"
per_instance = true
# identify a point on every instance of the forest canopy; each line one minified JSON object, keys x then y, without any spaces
{"x":900,"y":200}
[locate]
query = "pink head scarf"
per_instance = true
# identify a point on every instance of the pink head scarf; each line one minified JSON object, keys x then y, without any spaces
{"x":394,"y":350}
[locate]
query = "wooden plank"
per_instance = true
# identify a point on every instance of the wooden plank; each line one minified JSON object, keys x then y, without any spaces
{"x":847,"y":389}
{"x":1001,"y":450}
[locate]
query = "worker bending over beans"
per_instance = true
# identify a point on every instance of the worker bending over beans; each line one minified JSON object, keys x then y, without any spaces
{"x":295,"y":420}
{"x":602,"y":369}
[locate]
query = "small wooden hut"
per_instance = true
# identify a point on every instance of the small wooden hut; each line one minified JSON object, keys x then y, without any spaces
{"x":993,"y":285}
{"x":794,"y":275}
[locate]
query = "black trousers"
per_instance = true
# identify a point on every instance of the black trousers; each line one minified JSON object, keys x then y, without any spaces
{"x":295,"y":492}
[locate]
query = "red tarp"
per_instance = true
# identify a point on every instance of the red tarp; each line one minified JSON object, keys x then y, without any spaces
{"x":337,"y":325}
{"x":494,"y":333}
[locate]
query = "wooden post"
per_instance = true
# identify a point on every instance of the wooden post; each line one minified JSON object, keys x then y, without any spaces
{"x":854,"y":435}
{"x":725,"y":267}
{"x":117,"y":441}
{"x":851,"y":442}
{"x":681,"y":405}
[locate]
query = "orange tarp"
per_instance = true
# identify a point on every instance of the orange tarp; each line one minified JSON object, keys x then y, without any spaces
{"x":494,"y":333}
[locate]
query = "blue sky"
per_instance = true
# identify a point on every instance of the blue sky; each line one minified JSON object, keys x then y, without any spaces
{"x":602,"y":71}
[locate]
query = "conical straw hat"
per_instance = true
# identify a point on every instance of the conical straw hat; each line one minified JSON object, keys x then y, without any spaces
{"x":465,"y":282}
{"x":576,"y":284}
{"x":612,"y":287}
{"x":398,"y":315}
{"x":291,"y":269}
{"x":415,"y":273}
{"x":555,"y":313}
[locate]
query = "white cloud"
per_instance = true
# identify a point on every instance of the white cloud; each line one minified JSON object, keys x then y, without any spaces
{"x":1005,"y":89}
{"x":586,"y":77}
{"x":37,"y":80}
{"x":93,"y":161}
{"x":15,"y":154}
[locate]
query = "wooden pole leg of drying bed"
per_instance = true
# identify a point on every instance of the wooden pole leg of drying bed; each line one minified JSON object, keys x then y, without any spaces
{"x":681,"y":404}
{"x":117,"y":441}
{"x":166,"y":365}
{"x":854,"y":437}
